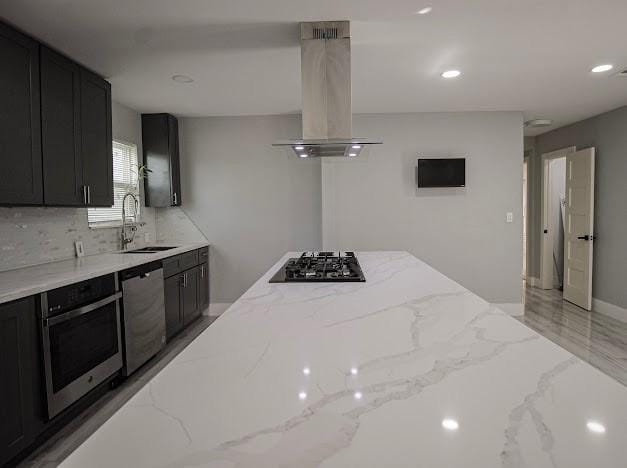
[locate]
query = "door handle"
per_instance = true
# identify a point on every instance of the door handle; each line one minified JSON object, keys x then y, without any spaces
{"x":586,"y":237}
{"x":174,"y":197}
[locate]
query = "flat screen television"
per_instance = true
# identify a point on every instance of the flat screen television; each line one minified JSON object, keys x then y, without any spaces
{"x":441,"y":172}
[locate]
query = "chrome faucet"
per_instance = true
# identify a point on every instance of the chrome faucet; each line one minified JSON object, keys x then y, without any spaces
{"x":125,"y":236}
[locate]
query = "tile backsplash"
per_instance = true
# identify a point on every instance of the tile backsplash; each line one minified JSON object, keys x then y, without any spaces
{"x":30,"y":236}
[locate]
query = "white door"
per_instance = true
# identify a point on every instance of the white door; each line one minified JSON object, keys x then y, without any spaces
{"x":579,"y":230}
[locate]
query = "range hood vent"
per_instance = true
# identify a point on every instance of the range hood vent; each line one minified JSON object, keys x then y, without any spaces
{"x":326,"y":83}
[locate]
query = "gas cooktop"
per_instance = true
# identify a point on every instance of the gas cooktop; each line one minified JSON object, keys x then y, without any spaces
{"x":313,"y":267}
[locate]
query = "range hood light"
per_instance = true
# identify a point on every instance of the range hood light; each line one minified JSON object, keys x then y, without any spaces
{"x":299,"y":148}
{"x":352,"y":154}
{"x":303,"y":155}
{"x":356,"y":147}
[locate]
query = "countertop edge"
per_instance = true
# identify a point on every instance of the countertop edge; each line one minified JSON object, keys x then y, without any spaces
{"x":80,"y":269}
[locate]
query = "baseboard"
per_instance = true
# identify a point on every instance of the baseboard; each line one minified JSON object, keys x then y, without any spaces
{"x":533,"y":281}
{"x":217,"y":308}
{"x":514,"y":309}
{"x":611,"y":310}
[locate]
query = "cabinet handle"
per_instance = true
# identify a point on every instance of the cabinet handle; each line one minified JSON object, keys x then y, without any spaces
{"x":84,"y":194}
{"x":184,"y":280}
{"x":202,"y":271}
{"x":174,"y":198}
{"x":89,"y":194}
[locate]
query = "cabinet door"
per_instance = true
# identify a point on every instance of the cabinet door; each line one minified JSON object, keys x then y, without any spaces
{"x":20,"y":391}
{"x":96,"y":142}
{"x":20,"y":131}
{"x":203,"y":286}
{"x":175,"y":171}
{"x":157,"y":157}
{"x":60,"y":130}
{"x":173,"y":315}
{"x":189,"y":295}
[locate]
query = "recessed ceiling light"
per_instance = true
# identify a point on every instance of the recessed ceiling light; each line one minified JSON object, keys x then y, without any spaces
{"x":356,"y":146}
{"x":306,"y":371}
{"x":354,"y":371}
{"x":424,"y":11}
{"x":602,"y":68}
{"x":358,"y":395}
{"x":352,"y":155}
{"x":596,"y":427}
{"x":450,"y":424}
{"x":537,"y":123}
{"x":302,"y":396}
{"x":303,"y":155}
{"x":451,"y":74}
{"x":182,"y":79}
{"x":299,"y":148}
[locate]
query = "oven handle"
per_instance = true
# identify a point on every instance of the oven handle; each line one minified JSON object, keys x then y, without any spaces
{"x":81,"y":310}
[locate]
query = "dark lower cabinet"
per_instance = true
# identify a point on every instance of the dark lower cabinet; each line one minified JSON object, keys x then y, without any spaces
{"x":173,"y":315}
{"x":186,"y":289}
{"x":20,"y":131}
{"x":203,"y":286}
{"x":189,"y":295}
{"x":21,"y":396}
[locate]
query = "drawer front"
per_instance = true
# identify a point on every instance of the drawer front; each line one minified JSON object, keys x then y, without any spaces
{"x":172,"y":266}
{"x":203,"y":255}
{"x":189,"y":260}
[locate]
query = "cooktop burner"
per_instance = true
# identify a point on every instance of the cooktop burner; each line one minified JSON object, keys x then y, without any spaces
{"x":320,"y":266}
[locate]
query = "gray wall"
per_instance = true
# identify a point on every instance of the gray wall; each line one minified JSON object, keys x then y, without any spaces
{"x":608,"y":134}
{"x":253,"y":202}
{"x":372,"y":203}
{"x":30,"y":236}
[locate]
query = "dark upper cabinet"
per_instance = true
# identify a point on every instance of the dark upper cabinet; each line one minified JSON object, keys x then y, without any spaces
{"x":20,"y":133}
{"x":160,"y":144}
{"x":76,"y":134}
{"x":61,"y":130}
{"x":96,"y":140}
{"x":21,"y":393}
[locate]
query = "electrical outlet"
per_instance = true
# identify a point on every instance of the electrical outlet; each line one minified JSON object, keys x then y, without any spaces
{"x":510,"y":217}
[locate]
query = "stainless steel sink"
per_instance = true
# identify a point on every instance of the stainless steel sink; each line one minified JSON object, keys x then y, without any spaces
{"x":149,"y":249}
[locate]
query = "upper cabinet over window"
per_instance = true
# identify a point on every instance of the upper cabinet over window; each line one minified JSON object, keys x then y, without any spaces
{"x":160,"y":141}
{"x":20,"y":133}
{"x":55,"y":128}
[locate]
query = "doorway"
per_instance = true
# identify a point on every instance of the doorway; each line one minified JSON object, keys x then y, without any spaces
{"x":567,"y":224}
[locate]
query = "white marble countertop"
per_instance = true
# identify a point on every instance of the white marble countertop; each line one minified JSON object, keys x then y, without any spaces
{"x":24,"y":282}
{"x":368,"y":375}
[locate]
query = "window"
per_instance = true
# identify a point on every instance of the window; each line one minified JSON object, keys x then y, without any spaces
{"x":125,"y":180}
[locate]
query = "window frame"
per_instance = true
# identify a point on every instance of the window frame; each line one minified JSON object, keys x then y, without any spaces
{"x":117,"y":222}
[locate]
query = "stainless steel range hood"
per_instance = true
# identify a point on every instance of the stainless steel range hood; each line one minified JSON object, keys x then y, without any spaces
{"x":326,"y":82}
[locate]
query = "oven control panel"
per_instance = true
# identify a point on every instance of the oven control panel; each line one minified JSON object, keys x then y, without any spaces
{"x":76,"y":295}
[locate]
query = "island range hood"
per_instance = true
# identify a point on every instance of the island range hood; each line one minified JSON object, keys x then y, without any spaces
{"x":326,"y":83}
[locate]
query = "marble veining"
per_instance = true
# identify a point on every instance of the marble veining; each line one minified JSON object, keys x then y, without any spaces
{"x":23,"y":282}
{"x":408,"y":369}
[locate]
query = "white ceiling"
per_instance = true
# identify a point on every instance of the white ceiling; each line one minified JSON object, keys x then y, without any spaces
{"x":529,"y":55}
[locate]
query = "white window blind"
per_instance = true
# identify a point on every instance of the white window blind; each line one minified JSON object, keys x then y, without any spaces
{"x":125,"y":179}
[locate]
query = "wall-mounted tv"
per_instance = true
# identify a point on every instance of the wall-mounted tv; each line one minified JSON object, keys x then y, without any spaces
{"x":441,"y":172}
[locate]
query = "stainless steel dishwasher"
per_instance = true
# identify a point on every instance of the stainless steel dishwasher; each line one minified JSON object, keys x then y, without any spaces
{"x":143,"y":311}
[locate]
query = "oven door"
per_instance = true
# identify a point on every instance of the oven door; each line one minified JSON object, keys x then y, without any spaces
{"x":81,"y":348}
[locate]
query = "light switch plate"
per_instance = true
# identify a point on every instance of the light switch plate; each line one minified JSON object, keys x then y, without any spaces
{"x":78,"y":248}
{"x":510,"y":217}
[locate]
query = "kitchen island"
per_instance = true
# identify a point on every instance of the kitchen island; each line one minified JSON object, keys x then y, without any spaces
{"x":408,"y":369}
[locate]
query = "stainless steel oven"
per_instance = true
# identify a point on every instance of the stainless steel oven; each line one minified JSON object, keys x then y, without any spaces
{"x":81,"y":339}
